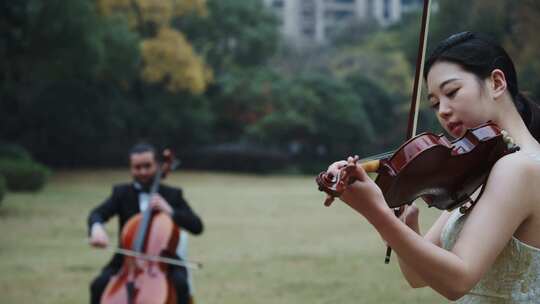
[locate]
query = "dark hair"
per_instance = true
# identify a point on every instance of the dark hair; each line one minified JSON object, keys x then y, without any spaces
{"x":142,"y":148}
{"x":480,"y":55}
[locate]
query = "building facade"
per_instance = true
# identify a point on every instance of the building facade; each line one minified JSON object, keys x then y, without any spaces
{"x":312,"y":21}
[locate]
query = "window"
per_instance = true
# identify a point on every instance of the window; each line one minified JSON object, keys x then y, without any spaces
{"x":308,"y":32}
{"x":338,"y":15}
{"x":387,"y":9}
{"x":277,"y":3}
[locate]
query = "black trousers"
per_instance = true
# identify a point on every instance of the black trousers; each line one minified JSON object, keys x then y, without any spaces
{"x":177,"y":275}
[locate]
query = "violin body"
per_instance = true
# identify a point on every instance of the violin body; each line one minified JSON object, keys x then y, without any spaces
{"x":145,"y":280}
{"x":445,"y":173}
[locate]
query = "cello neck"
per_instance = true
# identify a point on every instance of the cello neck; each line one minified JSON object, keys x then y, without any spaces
{"x":147,"y":214}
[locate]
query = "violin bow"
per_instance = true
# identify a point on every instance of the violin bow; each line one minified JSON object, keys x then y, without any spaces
{"x":417,"y":87}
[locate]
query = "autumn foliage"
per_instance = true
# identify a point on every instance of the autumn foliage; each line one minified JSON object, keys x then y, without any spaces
{"x":167,"y":57}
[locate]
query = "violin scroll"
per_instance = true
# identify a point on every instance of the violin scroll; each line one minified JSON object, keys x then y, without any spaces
{"x":335,"y":184}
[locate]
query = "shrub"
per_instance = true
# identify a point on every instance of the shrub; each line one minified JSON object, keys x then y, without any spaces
{"x":12,"y":151}
{"x":239,"y":157}
{"x":23,"y":175}
{"x":2,"y":187}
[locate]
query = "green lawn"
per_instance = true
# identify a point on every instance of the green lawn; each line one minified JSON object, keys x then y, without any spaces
{"x":267,"y":239}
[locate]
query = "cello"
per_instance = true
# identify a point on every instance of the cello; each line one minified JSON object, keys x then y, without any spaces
{"x":143,"y":279}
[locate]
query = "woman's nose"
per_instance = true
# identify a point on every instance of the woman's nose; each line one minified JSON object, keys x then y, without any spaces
{"x":444,"y":110}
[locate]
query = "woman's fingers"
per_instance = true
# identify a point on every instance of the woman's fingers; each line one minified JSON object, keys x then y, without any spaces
{"x":335,"y":167}
{"x":410,"y":216}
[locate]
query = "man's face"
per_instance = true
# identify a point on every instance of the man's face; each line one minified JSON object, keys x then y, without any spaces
{"x":143,"y":167}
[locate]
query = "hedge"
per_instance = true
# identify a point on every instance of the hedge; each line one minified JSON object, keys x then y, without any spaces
{"x":2,"y":187}
{"x":13,"y":151}
{"x":23,"y":175}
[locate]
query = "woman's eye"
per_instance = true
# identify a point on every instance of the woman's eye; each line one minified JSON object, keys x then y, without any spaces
{"x":452,"y":93}
{"x":434,"y":105}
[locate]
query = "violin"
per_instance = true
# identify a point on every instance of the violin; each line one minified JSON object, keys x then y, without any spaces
{"x":445,"y":173}
{"x":147,"y":234}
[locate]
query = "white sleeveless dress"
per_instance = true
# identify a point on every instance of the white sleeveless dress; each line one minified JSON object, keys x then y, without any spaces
{"x":513,"y":278}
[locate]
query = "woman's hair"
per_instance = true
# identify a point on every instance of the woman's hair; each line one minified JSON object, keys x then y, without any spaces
{"x":480,"y":55}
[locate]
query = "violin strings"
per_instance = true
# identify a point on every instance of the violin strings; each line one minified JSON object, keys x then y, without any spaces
{"x":377,"y":156}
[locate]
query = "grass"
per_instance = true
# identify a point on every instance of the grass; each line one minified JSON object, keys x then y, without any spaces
{"x":267,"y":239}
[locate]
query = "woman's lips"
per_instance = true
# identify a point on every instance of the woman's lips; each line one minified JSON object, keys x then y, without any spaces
{"x":455,"y":128}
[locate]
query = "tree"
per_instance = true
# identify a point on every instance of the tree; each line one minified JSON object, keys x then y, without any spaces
{"x":523,"y":43}
{"x":380,"y":60}
{"x":47,"y":44}
{"x":167,"y":57}
{"x":236,"y":33}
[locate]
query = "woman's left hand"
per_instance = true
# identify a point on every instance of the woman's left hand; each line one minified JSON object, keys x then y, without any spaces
{"x":409,"y":216}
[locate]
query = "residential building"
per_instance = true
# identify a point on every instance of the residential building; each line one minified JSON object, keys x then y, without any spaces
{"x":306,"y":22}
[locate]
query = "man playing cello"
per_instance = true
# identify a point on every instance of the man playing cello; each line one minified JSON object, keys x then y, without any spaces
{"x":128,"y":200}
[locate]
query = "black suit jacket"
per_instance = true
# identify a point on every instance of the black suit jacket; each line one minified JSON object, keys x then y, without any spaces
{"x":124,"y":202}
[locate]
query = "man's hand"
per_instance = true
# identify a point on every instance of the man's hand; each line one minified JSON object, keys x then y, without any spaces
{"x":159,"y":203}
{"x":98,"y":236}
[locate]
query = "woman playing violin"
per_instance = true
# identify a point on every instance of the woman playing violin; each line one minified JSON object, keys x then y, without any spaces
{"x":490,"y":254}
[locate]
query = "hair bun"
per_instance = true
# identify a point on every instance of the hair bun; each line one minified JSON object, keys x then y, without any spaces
{"x":458,"y":38}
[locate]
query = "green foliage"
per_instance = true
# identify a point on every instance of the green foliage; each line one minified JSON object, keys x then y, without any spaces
{"x":339,"y":116}
{"x":22,"y":175}
{"x":493,"y":18}
{"x":71,"y":119}
{"x":18,"y":171}
{"x":71,"y":89}
{"x":242,"y":156}
{"x":2,"y":187}
{"x":235,"y":33}
{"x":55,"y":53}
{"x":312,"y":114}
{"x":120,"y":56}
{"x":59,"y":39}
{"x":179,"y":120}
{"x":379,"y":59}
{"x":523,"y":44}
{"x":383,"y":111}
{"x":355,"y":32}
{"x":408,"y":31}
{"x":12,"y":151}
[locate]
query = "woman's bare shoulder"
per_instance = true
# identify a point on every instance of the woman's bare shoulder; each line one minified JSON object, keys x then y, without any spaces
{"x":516,"y":175}
{"x":518,"y":165}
